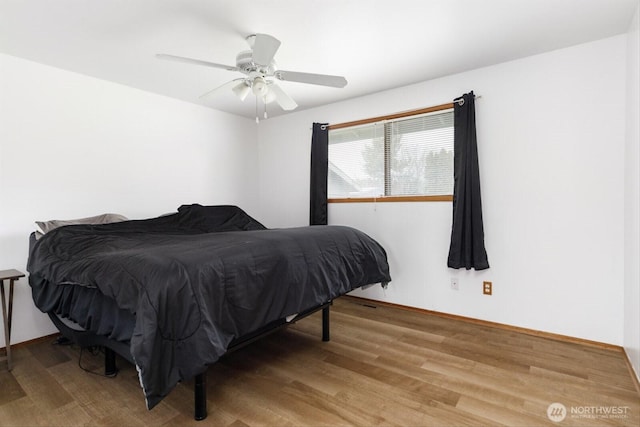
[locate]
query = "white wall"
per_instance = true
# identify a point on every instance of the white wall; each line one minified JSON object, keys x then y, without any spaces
{"x":73,"y":146}
{"x":551,"y":146}
{"x":632,"y":199}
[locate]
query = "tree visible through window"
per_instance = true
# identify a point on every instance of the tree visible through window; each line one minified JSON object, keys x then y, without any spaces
{"x":411,"y":156}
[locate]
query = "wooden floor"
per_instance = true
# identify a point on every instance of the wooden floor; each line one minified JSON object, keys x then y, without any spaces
{"x":383,"y":366}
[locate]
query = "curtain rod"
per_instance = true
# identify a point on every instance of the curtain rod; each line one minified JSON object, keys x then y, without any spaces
{"x":459,"y":100}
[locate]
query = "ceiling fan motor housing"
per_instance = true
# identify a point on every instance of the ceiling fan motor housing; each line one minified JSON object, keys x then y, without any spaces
{"x":244,"y":62}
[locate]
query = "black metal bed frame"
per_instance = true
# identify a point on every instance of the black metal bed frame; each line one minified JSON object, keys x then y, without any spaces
{"x":85,"y":338}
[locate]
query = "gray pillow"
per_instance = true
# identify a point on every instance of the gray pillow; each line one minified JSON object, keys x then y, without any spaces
{"x":43,"y":227}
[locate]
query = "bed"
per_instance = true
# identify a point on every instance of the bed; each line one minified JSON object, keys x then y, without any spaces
{"x":173,"y":294}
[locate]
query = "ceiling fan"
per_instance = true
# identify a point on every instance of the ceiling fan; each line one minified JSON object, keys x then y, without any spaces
{"x":259,"y":67}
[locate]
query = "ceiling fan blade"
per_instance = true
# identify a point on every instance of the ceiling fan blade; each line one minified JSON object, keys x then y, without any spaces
{"x":195,"y":61}
{"x":221,"y":88}
{"x":314,"y":79}
{"x":264,"y":49}
{"x":282,"y":98}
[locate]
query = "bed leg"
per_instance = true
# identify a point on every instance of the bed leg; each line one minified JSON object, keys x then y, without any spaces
{"x":200,"y":394}
{"x":110,"y":369}
{"x":325,"y":324}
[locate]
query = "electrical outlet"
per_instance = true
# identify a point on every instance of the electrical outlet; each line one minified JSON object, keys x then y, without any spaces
{"x":487,"y":288}
{"x":454,"y":283}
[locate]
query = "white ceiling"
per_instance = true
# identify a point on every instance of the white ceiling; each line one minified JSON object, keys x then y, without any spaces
{"x":375,"y":44}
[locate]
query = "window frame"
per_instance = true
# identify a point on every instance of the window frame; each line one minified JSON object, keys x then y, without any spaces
{"x":404,"y":114}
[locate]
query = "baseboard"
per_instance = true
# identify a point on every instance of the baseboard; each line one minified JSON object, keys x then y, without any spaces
{"x":542,"y":334}
{"x":35,"y":340}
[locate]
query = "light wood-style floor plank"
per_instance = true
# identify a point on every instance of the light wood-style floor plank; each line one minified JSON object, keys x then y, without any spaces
{"x":384,"y":366}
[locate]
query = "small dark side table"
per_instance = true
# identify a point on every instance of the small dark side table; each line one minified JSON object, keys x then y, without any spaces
{"x":11,"y":276}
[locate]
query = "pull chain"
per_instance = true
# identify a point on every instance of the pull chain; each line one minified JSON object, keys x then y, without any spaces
{"x":257,"y":118}
{"x":265,"y":107}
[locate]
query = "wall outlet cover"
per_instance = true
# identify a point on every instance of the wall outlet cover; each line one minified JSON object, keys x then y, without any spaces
{"x":487,"y":288}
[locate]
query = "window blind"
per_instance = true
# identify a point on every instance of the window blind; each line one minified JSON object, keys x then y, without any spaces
{"x":400,"y":157}
{"x":420,"y":155}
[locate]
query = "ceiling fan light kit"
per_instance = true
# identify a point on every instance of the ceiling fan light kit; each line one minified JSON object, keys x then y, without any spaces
{"x":260,"y":68}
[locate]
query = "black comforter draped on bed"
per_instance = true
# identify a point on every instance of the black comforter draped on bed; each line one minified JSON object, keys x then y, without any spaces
{"x":197,"y":279}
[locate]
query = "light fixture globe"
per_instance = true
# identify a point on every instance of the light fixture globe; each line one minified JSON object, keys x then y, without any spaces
{"x":259,"y":87}
{"x":241,"y":90}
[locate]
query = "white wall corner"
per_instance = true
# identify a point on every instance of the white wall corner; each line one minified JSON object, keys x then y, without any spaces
{"x":632,"y":198}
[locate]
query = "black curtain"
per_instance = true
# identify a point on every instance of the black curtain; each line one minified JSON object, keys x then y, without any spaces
{"x":467,"y":233}
{"x":319,"y":172}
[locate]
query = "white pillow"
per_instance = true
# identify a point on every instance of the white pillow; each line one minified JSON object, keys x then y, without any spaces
{"x":43,"y":227}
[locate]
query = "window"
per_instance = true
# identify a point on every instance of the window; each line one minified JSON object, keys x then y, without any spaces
{"x":392,"y":158}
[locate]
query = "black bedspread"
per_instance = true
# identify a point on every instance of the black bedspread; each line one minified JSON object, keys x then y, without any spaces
{"x":197,"y":279}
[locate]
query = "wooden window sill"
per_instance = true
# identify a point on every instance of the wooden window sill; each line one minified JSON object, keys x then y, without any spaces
{"x":384,"y":199}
